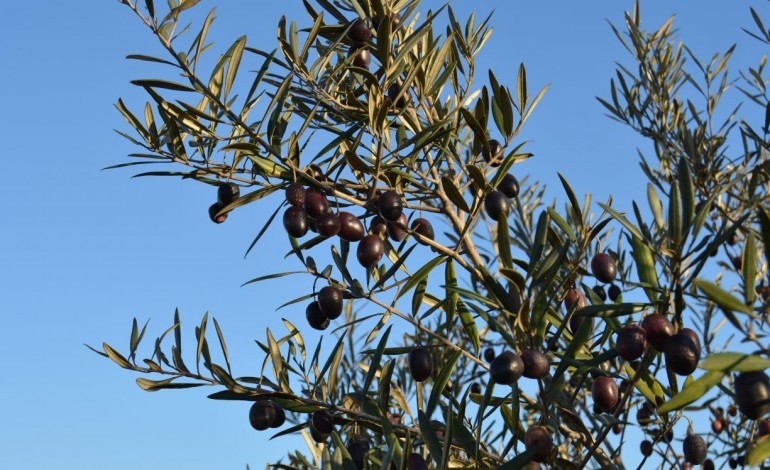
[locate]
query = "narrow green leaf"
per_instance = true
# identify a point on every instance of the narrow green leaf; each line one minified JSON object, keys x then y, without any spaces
{"x":692,"y":392}
{"x":611,"y":310}
{"x":759,"y":452}
{"x":645,"y":266}
{"x":734,"y":362}
{"x":655,"y":206}
{"x":675,"y":215}
{"x":116,"y":357}
{"x":441,"y":380}
{"x":454,"y":194}
{"x":374,"y":363}
{"x":421,"y":274}
{"x":722,"y":298}
{"x":162,"y":84}
{"x":469,"y":324}
{"x":749,"y":262}
{"x":687,"y":192}
{"x":764,"y":222}
{"x":623,"y":221}
{"x":572,"y":200}
{"x":155,"y":385}
{"x":429,"y":436}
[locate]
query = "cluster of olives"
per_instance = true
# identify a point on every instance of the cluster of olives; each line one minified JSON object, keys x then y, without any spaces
{"x":360,"y":33}
{"x":226,"y":194}
{"x":266,"y":414}
{"x":327,"y":307}
{"x":310,"y":210}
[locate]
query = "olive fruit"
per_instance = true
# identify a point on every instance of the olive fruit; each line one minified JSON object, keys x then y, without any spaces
{"x":378,"y":226}
{"x":646,"y":448}
{"x":416,"y":461}
{"x":317,"y":435}
{"x":475,"y":388}
{"x":603,"y":267}
{"x":708,"y":464}
{"x":537,"y":437}
{"x":495,"y":154}
{"x":718,"y":425}
{"x":535,"y":364}
{"x":395,"y":232}
{"x":261,"y":415}
{"x":631,"y":342}
{"x":227,"y":193}
{"x":497,"y":205}
{"x":370,"y":250}
{"x":316,"y":204}
{"x":295,"y":194}
{"x":752,"y":394}
{"x":395,"y":21}
{"x":351,"y":229}
{"x":613,"y":292}
{"x":732,"y":410}
{"x":574,"y":298}
{"x":681,"y":354}
{"x":506,"y":368}
{"x":213,"y":210}
{"x":600,"y":292}
{"x":605,"y":393}
{"x":644,"y":415}
{"x":316,"y":172}
{"x":694,"y":448}
{"x":489,"y":354}
{"x":658,"y":329}
{"x":763,"y":427}
{"x":576,"y":321}
{"x":323,"y":421}
{"x":393,"y":91}
{"x":424,"y":228}
{"x":315,"y":318}
{"x":694,"y":336}
{"x":328,"y":225}
{"x":359,"y":32}
{"x":280,"y":417}
{"x":390,"y":206}
{"x":358,"y":449}
{"x":295,"y":221}
{"x":330,"y":302}
{"x":617,"y":428}
{"x":509,"y":186}
{"x":361,"y":57}
{"x":733,"y":462}
{"x":420,"y":364}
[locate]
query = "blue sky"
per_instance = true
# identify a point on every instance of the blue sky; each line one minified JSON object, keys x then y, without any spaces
{"x":84,"y":250}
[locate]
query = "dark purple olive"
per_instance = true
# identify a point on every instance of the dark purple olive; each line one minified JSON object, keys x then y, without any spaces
{"x":378,"y":226}
{"x":535,"y":364}
{"x":330,"y":302}
{"x":315,"y":318}
{"x":752,"y":394}
{"x":646,"y":448}
{"x":604,"y":268}
{"x":323,"y":421}
{"x":360,"y":56}
{"x":328,"y":225}
{"x":317,"y":435}
{"x":395,"y":232}
{"x":393,"y":91}
{"x":475,"y":388}
{"x":489,"y":354}
{"x":694,"y":336}
{"x":358,"y":449}
{"x":605,"y":393}
{"x":295,"y":194}
{"x":390,"y":206}
{"x":658,"y":329}
{"x":708,"y":464}
{"x":423,"y":227}
{"x":420,"y":364}
{"x":600,"y":292}
{"x":280,"y":417}
{"x":261,"y":415}
{"x":574,"y":299}
{"x":509,"y":186}
{"x":694,"y":448}
{"x":316,"y":204}
{"x":617,"y":428}
{"x":359,"y":32}
{"x":613,"y":292}
{"x":644,"y":415}
{"x":497,"y":205}
{"x":631,"y":342}
{"x":495,"y":155}
{"x":295,"y":221}
{"x":763,"y":427}
{"x":351,"y":229}
{"x":370,"y":250}
{"x":506,"y":368}
{"x":537,"y":437}
{"x":416,"y":461}
{"x":316,"y":172}
{"x":681,"y":354}
{"x":213,"y":210}
{"x":227,"y":193}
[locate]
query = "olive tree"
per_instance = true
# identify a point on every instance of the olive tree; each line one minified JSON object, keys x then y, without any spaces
{"x":528,"y":333}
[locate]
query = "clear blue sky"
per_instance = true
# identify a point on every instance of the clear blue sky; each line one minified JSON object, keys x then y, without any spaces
{"x":84,"y":251}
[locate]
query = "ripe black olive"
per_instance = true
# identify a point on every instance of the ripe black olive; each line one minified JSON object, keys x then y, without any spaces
{"x":535,"y":364}
{"x":537,"y":437}
{"x":359,"y":32}
{"x":213,"y":209}
{"x":681,"y":354}
{"x":315,"y":318}
{"x":631,"y":342}
{"x":605,"y":393}
{"x":295,"y":194}
{"x":328,"y":224}
{"x":351,"y":229}
{"x":495,"y":155}
{"x":227,"y":193}
{"x":604,"y":268}
{"x":506,"y":368}
{"x":261,"y":415}
{"x":658,"y":329}
{"x":370,"y":250}
{"x":330,"y":302}
{"x":497,"y":205}
{"x":509,"y":186}
{"x":390,"y":206}
{"x":752,"y":394}
{"x":420,"y":364}
{"x":424,"y":228}
{"x":694,"y":448}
